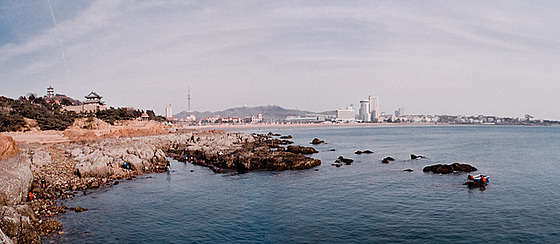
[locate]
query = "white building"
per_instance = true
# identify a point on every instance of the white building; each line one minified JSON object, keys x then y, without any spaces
{"x":374,"y":107}
{"x":346,"y":115}
{"x":50,"y":92}
{"x":168,"y":111}
{"x":364,"y":113}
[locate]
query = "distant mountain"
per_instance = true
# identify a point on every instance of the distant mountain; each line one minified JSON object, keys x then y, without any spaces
{"x":270,"y":112}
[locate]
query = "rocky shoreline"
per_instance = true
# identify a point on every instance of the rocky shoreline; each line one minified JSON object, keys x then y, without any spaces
{"x":34,"y":178}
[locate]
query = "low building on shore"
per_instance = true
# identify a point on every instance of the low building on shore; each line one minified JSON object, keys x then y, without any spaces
{"x":346,"y":115}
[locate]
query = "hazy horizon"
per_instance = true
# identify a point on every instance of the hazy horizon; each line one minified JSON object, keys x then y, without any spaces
{"x":431,"y":57}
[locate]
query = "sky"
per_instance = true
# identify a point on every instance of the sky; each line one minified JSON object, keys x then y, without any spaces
{"x":430,"y":57}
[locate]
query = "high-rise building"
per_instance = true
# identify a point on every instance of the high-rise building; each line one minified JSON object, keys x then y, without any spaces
{"x":399,"y":112}
{"x":168,"y":111}
{"x":373,"y":107}
{"x":364,"y":114}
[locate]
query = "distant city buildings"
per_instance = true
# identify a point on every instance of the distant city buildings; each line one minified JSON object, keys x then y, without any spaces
{"x":346,"y":115}
{"x":374,"y":107}
{"x":369,"y":110}
{"x":229,"y":120}
{"x":399,"y":112}
{"x":364,"y":112}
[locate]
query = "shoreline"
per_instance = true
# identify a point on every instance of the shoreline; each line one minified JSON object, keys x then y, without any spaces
{"x":50,"y":136}
{"x":57,"y":171}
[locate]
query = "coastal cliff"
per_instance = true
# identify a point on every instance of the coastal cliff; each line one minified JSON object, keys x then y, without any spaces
{"x":35,"y":177}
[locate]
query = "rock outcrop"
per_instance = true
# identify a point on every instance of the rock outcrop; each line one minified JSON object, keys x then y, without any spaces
{"x":316,"y":141}
{"x":449,"y":168}
{"x":239,"y":151}
{"x":386,"y":160}
{"x":16,"y":220}
{"x":344,"y":160}
{"x":413,"y":156}
{"x":364,"y":152}
{"x":8,"y":147}
{"x":301,"y":149}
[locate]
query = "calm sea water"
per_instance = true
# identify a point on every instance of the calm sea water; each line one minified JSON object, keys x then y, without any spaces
{"x":366,"y":202}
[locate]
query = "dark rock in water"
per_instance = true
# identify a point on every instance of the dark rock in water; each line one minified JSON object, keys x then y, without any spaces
{"x":449,"y":168}
{"x":301,"y":149}
{"x":286,"y":137}
{"x":408,"y":170}
{"x":316,"y":141}
{"x":387,"y":159}
{"x":346,"y":161}
{"x":412,"y":156}
{"x":217,"y":170}
{"x":79,"y":209}
{"x":364,"y":152}
{"x":337,"y":164}
{"x":273,"y":134}
{"x":332,"y":150}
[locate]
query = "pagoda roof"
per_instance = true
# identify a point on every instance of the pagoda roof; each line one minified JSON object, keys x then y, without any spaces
{"x":93,"y":95}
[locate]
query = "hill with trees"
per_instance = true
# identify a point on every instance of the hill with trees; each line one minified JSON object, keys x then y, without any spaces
{"x":49,"y":114}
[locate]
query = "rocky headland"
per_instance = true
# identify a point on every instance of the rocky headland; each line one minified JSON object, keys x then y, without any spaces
{"x":35,"y":177}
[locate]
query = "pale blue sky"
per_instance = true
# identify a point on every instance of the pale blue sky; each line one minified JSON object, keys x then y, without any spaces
{"x":430,"y":57}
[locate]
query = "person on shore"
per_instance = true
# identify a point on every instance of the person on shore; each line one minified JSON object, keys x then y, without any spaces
{"x":31,"y":196}
{"x":43,"y":184}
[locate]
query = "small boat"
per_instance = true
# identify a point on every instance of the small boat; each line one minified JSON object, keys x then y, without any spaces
{"x":478,"y":180}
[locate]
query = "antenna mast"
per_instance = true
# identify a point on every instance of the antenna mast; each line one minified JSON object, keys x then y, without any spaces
{"x":189,"y":97}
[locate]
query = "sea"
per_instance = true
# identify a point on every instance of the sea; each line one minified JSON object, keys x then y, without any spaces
{"x":365,"y":202}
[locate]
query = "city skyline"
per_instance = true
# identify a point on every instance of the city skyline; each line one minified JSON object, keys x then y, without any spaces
{"x":432,"y":57}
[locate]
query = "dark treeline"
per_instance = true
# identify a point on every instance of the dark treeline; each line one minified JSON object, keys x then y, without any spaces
{"x":48,"y":116}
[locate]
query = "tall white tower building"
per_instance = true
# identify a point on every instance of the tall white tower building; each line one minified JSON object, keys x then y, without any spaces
{"x":374,"y":107}
{"x":168,"y":111}
{"x":364,"y":113}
